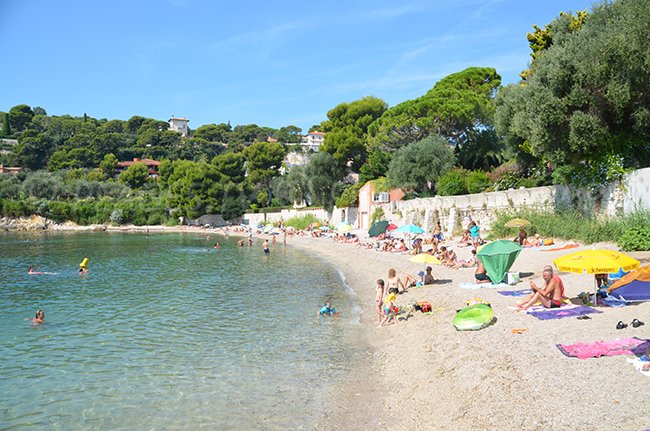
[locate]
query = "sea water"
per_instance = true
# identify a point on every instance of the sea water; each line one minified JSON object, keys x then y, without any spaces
{"x":167,"y":332}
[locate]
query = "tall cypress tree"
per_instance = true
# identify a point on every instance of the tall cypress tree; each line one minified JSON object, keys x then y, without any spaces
{"x":6,"y":128}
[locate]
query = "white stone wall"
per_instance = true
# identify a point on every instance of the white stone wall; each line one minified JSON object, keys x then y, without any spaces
{"x":637,"y":191}
{"x":337,"y":215}
{"x":612,"y":201}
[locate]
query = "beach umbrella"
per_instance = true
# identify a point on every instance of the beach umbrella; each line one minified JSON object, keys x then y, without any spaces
{"x":498,"y":257}
{"x":324,"y":228}
{"x":378,"y":228}
{"x":344,"y":227}
{"x":409,"y":228}
{"x":391,"y":227}
{"x":425,"y":258}
{"x":634,"y":286}
{"x":595,"y":262}
{"x":517,"y":222}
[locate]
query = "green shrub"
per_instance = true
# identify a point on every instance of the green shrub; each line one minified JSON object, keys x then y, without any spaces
{"x":477,"y":181}
{"x":58,"y":211}
{"x":575,"y":226}
{"x":302,"y":222}
{"x":377,"y":215}
{"x":349,"y":197}
{"x":452,"y":182}
{"x":635,"y":238}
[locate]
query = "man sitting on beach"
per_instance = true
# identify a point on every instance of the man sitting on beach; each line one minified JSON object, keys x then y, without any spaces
{"x":481,"y":273}
{"x":550,"y":295}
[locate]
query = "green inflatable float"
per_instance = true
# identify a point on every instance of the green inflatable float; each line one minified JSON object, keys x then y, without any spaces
{"x":474,"y":317}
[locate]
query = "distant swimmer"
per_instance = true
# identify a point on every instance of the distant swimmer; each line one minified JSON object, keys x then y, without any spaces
{"x":40,"y":318}
{"x":83,"y":266}
{"x":328,"y":310}
{"x":240,"y":243}
{"x":32,"y":271}
{"x":265,"y":246}
{"x":217,"y":245}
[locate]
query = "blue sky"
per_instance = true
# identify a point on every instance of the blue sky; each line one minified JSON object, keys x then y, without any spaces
{"x":272,"y":63}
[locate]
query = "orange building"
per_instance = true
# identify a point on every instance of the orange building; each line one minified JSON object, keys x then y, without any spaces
{"x":369,"y":198}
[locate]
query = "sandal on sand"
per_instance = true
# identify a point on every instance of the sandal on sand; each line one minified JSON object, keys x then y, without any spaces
{"x":584,"y":317}
{"x":621,"y":325}
{"x":636,"y":323}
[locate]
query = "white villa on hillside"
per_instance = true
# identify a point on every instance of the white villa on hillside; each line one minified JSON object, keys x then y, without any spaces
{"x":179,"y":125}
{"x":312,"y":141}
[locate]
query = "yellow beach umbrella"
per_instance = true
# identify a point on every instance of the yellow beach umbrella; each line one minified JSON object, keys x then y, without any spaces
{"x":595,"y":262}
{"x":425,"y":258}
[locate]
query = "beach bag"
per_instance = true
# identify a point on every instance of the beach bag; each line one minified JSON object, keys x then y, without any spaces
{"x":513,"y":278}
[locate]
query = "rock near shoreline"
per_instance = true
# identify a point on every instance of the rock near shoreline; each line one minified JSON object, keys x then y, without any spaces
{"x":38,"y":223}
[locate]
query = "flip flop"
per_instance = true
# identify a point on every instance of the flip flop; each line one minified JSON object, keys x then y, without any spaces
{"x":636,"y":323}
{"x":621,"y":325}
{"x":584,"y":317}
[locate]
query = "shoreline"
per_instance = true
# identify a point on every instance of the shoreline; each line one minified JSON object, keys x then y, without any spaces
{"x":423,"y":374}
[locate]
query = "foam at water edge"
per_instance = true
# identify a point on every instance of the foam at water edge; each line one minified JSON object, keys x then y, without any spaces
{"x":348,"y":289}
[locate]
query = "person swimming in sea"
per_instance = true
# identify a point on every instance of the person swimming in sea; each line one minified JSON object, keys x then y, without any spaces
{"x":328,"y":310}
{"x":40,"y":318}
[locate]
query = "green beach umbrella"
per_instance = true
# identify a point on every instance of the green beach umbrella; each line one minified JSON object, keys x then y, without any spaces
{"x":497,"y":257}
{"x":378,"y":228}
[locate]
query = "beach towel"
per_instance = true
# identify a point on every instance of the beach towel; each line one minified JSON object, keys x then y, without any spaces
{"x":521,"y":292}
{"x":563,"y":247}
{"x":639,"y":364}
{"x":468,"y":285}
{"x":620,"y":346}
{"x":562,"y":312}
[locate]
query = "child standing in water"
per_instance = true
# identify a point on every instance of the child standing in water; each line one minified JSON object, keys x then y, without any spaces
{"x":379,"y":299}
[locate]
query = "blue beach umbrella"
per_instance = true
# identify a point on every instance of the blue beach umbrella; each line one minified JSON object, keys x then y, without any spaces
{"x":409,"y":228}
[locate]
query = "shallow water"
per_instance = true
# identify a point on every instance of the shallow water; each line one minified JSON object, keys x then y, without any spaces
{"x":166,"y":332}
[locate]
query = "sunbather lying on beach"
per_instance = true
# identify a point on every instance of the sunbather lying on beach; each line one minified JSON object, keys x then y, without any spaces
{"x":465,"y":240}
{"x":470,"y":262}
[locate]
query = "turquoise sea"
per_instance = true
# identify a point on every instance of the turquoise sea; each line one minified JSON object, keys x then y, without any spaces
{"x":166,"y":332}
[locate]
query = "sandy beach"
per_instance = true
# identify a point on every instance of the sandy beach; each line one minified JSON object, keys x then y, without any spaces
{"x":423,"y":374}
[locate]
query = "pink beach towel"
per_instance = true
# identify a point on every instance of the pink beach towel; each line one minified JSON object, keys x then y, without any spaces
{"x":620,"y":346}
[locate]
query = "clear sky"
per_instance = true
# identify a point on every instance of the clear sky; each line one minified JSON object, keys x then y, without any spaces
{"x":272,"y":63}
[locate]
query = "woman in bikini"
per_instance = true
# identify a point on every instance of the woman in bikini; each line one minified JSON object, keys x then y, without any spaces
{"x":395,"y":285}
{"x":393,"y":282}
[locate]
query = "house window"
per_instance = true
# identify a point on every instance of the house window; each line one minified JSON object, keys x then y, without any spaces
{"x":380,"y":197}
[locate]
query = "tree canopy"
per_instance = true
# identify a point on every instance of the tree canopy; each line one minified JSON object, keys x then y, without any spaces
{"x":456,"y":105}
{"x":418,"y":165}
{"x":586,"y":99}
{"x":346,"y":128}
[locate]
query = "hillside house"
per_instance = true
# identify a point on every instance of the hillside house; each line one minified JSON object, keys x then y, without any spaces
{"x":179,"y":125}
{"x":152,"y":166}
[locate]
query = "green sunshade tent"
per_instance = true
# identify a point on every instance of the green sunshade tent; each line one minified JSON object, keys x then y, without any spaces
{"x":497,"y":257}
{"x":378,"y":228}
